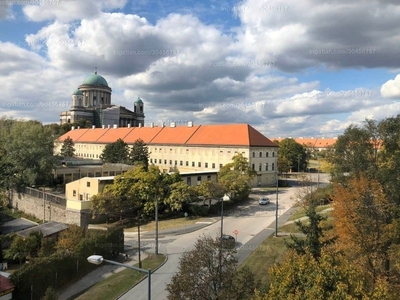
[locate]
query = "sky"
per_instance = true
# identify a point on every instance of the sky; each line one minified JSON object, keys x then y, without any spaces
{"x":305,"y":68}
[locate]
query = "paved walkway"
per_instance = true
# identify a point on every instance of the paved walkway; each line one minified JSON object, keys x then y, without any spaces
{"x":96,"y":276}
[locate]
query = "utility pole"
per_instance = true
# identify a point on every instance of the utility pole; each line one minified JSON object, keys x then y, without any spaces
{"x":140,"y":261}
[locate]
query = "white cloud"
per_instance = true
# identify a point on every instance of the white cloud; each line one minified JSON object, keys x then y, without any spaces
{"x":391,"y":88}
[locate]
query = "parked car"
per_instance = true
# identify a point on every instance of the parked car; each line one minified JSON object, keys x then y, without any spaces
{"x":263,"y":200}
{"x":228,"y":242}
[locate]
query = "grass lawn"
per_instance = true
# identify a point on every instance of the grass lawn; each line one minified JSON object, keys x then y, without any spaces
{"x":301,"y":212}
{"x":167,"y":224}
{"x":115,"y":285}
{"x":272,"y":250}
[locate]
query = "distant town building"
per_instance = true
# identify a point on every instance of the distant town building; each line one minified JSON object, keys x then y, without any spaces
{"x":92,"y":101}
{"x":312,"y":143}
{"x":188,"y":149}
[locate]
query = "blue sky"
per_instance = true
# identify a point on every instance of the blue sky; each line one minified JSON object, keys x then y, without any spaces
{"x":288,"y":68}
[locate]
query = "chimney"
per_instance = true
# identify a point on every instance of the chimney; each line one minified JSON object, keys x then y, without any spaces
{"x":108,"y":126}
{"x":79,"y":127}
{"x":93,"y":127}
{"x":140,"y":125}
{"x":129,"y":125}
{"x":173,"y":124}
{"x":190,"y":124}
{"x":115,"y":126}
{"x":151,"y":125}
{"x":73,"y":128}
{"x":103,"y":126}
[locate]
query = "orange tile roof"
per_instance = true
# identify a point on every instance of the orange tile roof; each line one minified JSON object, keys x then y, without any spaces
{"x":221,"y":134}
{"x":229,"y":135}
{"x":73,"y":134}
{"x":114,"y":134}
{"x":314,"y":142}
{"x":175,"y":135}
{"x":146,"y":134}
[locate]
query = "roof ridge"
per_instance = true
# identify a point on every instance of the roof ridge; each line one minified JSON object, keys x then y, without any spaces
{"x":192,"y":134}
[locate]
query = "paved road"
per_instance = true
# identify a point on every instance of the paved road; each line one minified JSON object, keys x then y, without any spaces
{"x":249,"y":220}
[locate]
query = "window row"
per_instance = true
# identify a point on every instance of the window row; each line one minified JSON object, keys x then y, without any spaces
{"x":175,"y":163}
{"x":260,"y":154}
{"x":260,"y":165}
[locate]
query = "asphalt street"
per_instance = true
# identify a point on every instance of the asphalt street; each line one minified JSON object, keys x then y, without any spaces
{"x":253,"y":222}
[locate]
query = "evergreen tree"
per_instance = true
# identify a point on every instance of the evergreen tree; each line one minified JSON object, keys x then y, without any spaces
{"x":139,"y":154}
{"x":117,"y":152}
{"x":67,"y":149}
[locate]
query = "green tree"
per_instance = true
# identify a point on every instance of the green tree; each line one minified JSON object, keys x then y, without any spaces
{"x":139,"y":154}
{"x":18,"y":250}
{"x":117,"y":152}
{"x":70,"y":238}
{"x":210,"y":190}
{"x":26,"y":153}
{"x":51,"y":294}
{"x":313,"y":232}
{"x":67,"y":149}
{"x":207,"y":273}
{"x":294,"y":153}
{"x":235,"y":177}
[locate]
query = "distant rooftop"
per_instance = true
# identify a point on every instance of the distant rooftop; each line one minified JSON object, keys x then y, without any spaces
{"x":47,"y":229}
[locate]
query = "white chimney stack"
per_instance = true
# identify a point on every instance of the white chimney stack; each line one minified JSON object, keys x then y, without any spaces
{"x":190,"y":124}
{"x":115,"y":126}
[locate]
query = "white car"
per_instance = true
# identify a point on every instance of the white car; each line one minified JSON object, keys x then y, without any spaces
{"x":263,"y":200}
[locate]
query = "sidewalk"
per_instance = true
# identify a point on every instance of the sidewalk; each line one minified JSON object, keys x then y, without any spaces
{"x":107,"y":270}
{"x":97,"y":275}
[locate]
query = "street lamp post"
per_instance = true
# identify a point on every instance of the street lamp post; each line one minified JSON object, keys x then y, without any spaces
{"x":156,"y":225}
{"x":98,"y":259}
{"x":276,"y":206}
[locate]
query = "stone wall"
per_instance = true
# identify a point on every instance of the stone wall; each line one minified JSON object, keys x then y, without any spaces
{"x":47,"y":210}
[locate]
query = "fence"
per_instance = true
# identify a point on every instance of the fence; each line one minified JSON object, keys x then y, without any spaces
{"x":54,"y":199}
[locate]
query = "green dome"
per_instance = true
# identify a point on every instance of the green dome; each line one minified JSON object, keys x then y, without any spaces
{"x":95,"y":79}
{"x":77,"y":92}
{"x":139,"y":101}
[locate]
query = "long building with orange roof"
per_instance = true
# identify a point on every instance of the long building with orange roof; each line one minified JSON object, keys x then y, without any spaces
{"x":313,"y":143}
{"x":190,"y":148}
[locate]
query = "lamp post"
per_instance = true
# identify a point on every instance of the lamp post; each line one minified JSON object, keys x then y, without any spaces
{"x":221,"y":242}
{"x":98,"y":259}
{"x":276,"y":206}
{"x":156,"y":225}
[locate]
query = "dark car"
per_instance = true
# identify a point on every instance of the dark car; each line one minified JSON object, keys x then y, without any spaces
{"x":228,"y":242}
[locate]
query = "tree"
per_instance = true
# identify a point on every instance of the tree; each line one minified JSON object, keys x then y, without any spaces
{"x":366,"y":229}
{"x":201,"y":276}
{"x":51,"y":294}
{"x":139,"y":154}
{"x":313,"y":233}
{"x":117,"y":152}
{"x":67,"y":149}
{"x":210,"y":190}
{"x":70,"y":238}
{"x":235,"y":177}
{"x":26,"y":153}
{"x":17,"y":250}
{"x":294,"y":153}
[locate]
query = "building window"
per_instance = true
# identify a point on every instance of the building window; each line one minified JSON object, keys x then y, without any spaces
{"x":74,"y":193}
{"x":273,"y":166}
{"x":181,"y":163}
{"x":273,"y":154}
{"x":206,"y":165}
{"x":220,"y":166}
{"x":208,"y":177}
{"x":176,"y":163}
{"x":165,"y":161}
{"x":213,"y":165}
{"x":159,"y":160}
{"x":151,"y":160}
{"x":259,"y":167}
{"x":88,"y":184}
{"x":170,"y":161}
{"x":187,"y":164}
{"x":198,"y":180}
{"x":266,"y":167}
{"x":199,"y":164}
{"x":260,"y":154}
{"x":81,"y":197}
{"x":252,"y":167}
{"x":193,"y":164}
{"x":254,"y":154}
{"x":189,"y":181}
{"x":266,"y":154}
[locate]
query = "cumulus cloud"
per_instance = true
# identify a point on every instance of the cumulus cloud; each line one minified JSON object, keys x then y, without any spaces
{"x":391,"y":88}
{"x":68,"y":10}
{"x":337,"y":34}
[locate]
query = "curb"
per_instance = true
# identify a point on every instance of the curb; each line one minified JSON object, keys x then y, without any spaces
{"x":144,"y":277}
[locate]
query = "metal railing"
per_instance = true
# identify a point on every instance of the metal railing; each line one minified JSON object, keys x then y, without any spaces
{"x":54,"y":199}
